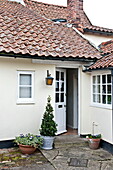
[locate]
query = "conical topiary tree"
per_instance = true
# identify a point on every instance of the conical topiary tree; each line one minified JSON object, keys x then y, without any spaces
{"x":48,"y":126}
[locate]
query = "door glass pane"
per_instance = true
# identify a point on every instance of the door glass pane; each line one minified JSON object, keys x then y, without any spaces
{"x":62,"y":97}
{"x":108,"y":78}
{"x":109,"y":99}
{"x":103,"y":79}
{"x":109,"y":89}
{"x":57,"y":86}
{"x":104,"y":99}
{"x":57,"y":98}
{"x":62,"y":76}
{"x":94,"y":79}
{"x":25,"y":79}
{"x":98,"y":79}
{"x":57,"y":75}
{"x":25,"y":92}
{"x":62,"y":86}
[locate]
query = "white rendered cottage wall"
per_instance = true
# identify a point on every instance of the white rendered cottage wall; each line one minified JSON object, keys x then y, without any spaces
{"x":89,"y":113}
{"x":22,"y":118}
{"x":97,"y":39}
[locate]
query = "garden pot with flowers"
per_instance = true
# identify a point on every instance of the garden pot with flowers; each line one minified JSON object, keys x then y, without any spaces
{"x":48,"y":127}
{"x":28,"y":143}
{"x":94,"y":140}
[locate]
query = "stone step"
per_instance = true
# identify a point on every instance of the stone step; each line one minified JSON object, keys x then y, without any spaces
{"x":69,"y":140}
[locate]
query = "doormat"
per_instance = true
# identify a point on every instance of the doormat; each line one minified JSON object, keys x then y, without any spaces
{"x":78,"y":162}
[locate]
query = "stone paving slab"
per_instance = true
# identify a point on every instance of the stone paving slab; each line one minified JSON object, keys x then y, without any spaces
{"x":35,"y":167}
{"x":60,"y":156}
{"x":13,"y":159}
{"x":68,"y":148}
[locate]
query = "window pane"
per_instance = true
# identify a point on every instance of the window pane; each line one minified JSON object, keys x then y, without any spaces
{"x":57,"y":97}
{"x":109,"y":99}
{"x":103,"y":79}
{"x":104,"y":99}
{"x":109,"y":89}
{"x":94,"y":79}
{"x":94,"y":98}
{"x":98,"y":79}
{"x":98,"y":99}
{"x":57,"y":75}
{"x":25,"y":79}
{"x":94,"y":89}
{"x":98,"y":89}
{"x":104,"y":89}
{"x":108,"y":78}
{"x":25,"y":92}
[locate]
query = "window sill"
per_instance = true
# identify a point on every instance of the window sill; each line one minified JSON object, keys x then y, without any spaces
{"x":102,"y":106}
{"x":25,"y":102}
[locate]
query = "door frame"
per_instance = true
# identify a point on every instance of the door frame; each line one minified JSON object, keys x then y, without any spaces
{"x":63,"y":109}
{"x":78,"y":91}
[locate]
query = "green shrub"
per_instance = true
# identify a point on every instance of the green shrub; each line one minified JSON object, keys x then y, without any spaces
{"x":48,"y":126}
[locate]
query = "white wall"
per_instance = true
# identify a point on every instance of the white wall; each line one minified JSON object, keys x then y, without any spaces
{"x":89,"y":114}
{"x":22,"y":118}
{"x":58,"y":2}
{"x":97,"y":39}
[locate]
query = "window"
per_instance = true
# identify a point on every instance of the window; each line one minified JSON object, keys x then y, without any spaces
{"x":101,"y":89}
{"x":25,"y":86}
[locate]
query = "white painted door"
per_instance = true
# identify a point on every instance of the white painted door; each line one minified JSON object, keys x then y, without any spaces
{"x":60,"y":100}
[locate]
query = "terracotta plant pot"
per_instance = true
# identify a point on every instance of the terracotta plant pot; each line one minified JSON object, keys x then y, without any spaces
{"x":27,"y":149}
{"x":94,"y":143}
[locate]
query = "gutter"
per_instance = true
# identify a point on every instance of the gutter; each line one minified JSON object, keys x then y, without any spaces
{"x":96,"y":69}
{"x":98,"y":32}
{"x":45,"y":58}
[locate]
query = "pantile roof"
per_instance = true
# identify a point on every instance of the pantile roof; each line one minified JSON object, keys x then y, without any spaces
{"x":47,"y":10}
{"x":89,"y":28}
{"x":104,"y":62}
{"x":22,"y":31}
{"x":106,"y":47}
{"x":54,"y":11}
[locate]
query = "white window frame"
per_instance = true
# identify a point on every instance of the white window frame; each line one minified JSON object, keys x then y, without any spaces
{"x":96,"y":103}
{"x":25,"y":100}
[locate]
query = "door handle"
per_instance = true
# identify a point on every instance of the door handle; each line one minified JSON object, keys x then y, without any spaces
{"x":59,"y":106}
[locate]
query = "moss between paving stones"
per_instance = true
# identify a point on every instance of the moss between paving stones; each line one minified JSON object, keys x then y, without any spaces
{"x":14,"y":158}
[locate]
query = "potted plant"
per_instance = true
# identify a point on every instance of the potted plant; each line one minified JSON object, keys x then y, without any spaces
{"x":94,"y":140}
{"x":48,"y":126}
{"x":28,"y":143}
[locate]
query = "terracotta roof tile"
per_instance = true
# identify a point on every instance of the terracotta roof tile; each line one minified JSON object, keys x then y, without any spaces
{"x":26,"y":32}
{"x":106,"y":47}
{"x":54,"y":12}
{"x":87,"y":28}
{"x":104,"y":62}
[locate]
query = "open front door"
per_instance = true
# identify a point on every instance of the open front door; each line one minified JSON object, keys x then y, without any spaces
{"x":60,"y":100}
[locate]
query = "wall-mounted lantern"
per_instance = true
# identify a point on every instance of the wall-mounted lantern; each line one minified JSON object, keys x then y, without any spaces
{"x":49,"y":79}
